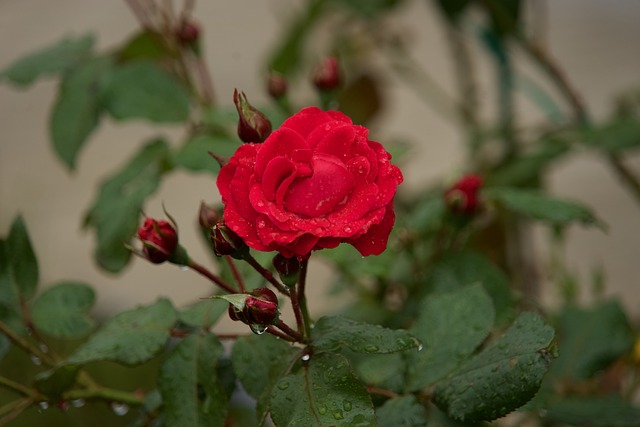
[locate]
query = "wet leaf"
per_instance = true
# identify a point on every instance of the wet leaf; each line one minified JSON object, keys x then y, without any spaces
{"x":594,"y":411}
{"x":404,"y":411}
{"x":194,"y":154}
{"x":63,"y":310}
{"x":22,"y":259}
{"x":10,"y":312}
{"x":56,"y":381}
{"x":204,"y":313}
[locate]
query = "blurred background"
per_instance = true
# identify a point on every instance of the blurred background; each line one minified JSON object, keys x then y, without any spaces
{"x":595,"y":41}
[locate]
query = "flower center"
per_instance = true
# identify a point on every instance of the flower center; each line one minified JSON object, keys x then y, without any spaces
{"x":318,"y":194}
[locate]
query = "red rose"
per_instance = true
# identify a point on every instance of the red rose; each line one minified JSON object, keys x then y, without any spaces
{"x":314,"y":183}
{"x":159,"y":240}
{"x":462,"y":197}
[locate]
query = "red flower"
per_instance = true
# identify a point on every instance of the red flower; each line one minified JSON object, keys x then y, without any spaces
{"x":314,"y":183}
{"x":462,"y":197}
{"x":159,"y":240}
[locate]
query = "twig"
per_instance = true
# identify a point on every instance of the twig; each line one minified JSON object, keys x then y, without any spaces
{"x":236,"y":273}
{"x":22,"y":389}
{"x":268,"y":275}
{"x":290,"y":332}
{"x":11,"y":410}
{"x":105,"y":393}
{"x":209,"y":275}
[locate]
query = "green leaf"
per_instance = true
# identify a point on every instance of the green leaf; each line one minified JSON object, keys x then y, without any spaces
{"x":22,"y":259}
{"x":404,"y":411}
{"x":56,"y":381}
{"x":452,"y":9}
{"x":132,"y":337}
{"x":542,"y":207}
{"x":190,"y":392}
{"x":502,"y":377}
{"x":50,"y":60}
{"x":590,"y":340}
{"x":203,"y":313}
{"x":428,"y":214}
{"x":143,"y":90}
{"x":10,"y":308}
{"x":368,"y":8}
{"x":466,"y":314}
{"x":144,"y":45}
{"x":194,"y":154}
{"x":615,"y":136}
{"x":331,"y":333}
{"x":322,"y":393}
{"x":597,"y":411}
{"x":63,"y":310}
{"x":384,"y":370}
{"x":115,"y":213}
{"x":77,"y":109}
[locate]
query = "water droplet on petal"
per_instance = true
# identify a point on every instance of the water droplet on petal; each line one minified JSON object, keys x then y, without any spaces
{"x":347,"y":229}
{"x":258,"y":329}
{"x":262,"y":224}
{"x":260,"y":203}
{"x":35,"y":360}
{"x":78,"y":403}
{"x":119,"y":409}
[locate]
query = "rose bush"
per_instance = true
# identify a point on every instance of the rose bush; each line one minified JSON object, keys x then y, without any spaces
{"x":314,"y":183}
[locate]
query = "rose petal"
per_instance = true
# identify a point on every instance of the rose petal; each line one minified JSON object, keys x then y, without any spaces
{"x":334,"y":140}
{"x":374,"y":241}
{"x":281,"y":143}
{"x":306,"y":120}
{"x":277,"y":170}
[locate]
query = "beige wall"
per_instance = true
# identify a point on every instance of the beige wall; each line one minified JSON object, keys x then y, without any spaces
{"x":595,"y":40}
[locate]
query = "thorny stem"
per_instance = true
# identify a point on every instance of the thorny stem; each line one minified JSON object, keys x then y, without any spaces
{"x":209,"y":275}
{"x":236,"y":273}
{"x":266,"y":274}
{"x":302,"y":298}
{"x":26,"y":345}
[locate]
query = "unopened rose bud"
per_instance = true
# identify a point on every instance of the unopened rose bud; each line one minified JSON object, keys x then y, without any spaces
{"x":288,"y":269}
{"x":327,"y":74}
{"x":207,"y":217}
{"x":277,"y":85}
{"x":261,"y":307}
{"x":253,"y":126}
{"x":236,"y":315}
{"x":462,"y":198}
{"x":226,"y":242}
{"x":159,"y":240}
{"x":188,"y":33}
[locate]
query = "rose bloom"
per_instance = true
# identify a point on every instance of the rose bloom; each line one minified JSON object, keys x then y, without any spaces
{"x":314,"y":183}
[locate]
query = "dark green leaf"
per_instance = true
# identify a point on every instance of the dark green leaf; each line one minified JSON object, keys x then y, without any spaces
{"x":615,"y":136}
{"x":10,"y":308}
{"x":63,"y":310}
{"x":143,"y":90}
{"x":601,"y":411}
{"x":50,"y":60}
{"x":384,"y":370}
{"x":427,"y":215}
{"x":466,"y":314}
{"x":322,"y":393}
{"x":452,"y":9}
{"x":194,"y":154}
{"x":542,"y":207}
{"x":115,"y":213}
{"x":56,"y":381}
{"x":132,"y":337}
{"x":77,"y":108}
{"x":190,"y":392}
{"x":403,"y":411}
{"x":331,"y":333}
{"x":22,"y":259}
{"x":144,"y":45}
{"x":501,"y":378}
{"x":204,"y":313}
{"x":590,"y":339}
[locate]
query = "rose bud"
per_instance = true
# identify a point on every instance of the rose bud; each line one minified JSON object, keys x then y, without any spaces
{"x":188,"y":33}
{"x":253,"y":126}
{"x":265,"y":294}
{"x":261,"y":307}
{"x":207,"y":217}
{"x":288,"y":269}
{"x":462,"y":197}
{"x":236,"y":315}
{"x":277,"y":85}
{"x":159,"y":240}
{"x":327,"y":74}
{"x":226,"y":242}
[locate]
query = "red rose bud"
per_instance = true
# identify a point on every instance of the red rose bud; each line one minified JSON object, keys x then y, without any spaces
{"x":188,"y":33}
{"x":287,"y":268}
{"x":226,"y":242}
{"x":265,"y":294}
{"x":462,"y":197}
{"x":277,"y":85}
{"x":261,"y":307}
{"x":159,"y":240}
{"x":253,"y":126}
{"x":207,"y":217}
{"x":327,"y":75}
{"x":236,"y":315}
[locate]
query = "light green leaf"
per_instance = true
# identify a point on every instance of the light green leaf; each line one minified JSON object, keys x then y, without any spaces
{"x":50,"y":60}
{"x":616,"y":136}
{"x":145,"y":45}
{"x":404,"y":411}
{"x":330,"y":333}
{"x":115,"y":213}
{"x":22,"y":259}
{"x":190,"y":392}
{"x":322,"y":393}
{"x":77,"y":109}
{"x":63,"y":310}
{"x":132,"y":337}
{"x":194,"y":154}
{"x":502,"y":377}
{"x":466,"y":314}
{"x":203,"y":313}
{"x":143,"y":90}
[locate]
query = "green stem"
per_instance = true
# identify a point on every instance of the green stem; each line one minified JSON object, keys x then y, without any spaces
{"x":26,"y":345}
{"x":266,"y":274}
{"x":11,"y":410}
{"x":105,"y":393}
{"x":209,"y":275}
{"x":12,"y":385}
{"x":302,"y":299}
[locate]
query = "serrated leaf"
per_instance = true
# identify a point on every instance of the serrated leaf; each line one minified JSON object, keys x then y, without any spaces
{"x":190,"y":392}
{"x":466,"y":314}
{"x":332,"y":332}
{"x":501,"y":378}
{"x":404,"y":411}
{"x":49,"y":60}
{"x":194,"y":154}
{"x":144,"y":45}
{"x":143,"y":90}
{"x":132,"y":337}
{"x":539,"y":206}
{"x":22,"y":258}
{"x":56,"y":381}
{"x":63,"y":310}
{"x":204,"y":313}
{"x":322,"y":393}
{"x":77,"y":108}
{"x":115,"y":212}
{"x":594,"y":411}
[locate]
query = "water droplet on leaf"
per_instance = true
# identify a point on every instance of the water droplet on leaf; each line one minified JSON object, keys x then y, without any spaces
{"x":306,"y":357}
{"x":43,"y":405}
{"x":371,"y":348}
{"x":119,"y":409}
{"x":35,"y":360}
{"x":43,"y":347}
{"x":78,"y":403}
{"x":283,"y":385}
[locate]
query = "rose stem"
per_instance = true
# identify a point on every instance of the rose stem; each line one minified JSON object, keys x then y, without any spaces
{"x":26,"y":345}
{"x":295,"y":305}
{"x":209,"y":275}
{"x":289,"y":331}
{"x":236,"y":273}
{"x":302,"y":299}
{"x":281,"y":335}
{"x":266,"y":274}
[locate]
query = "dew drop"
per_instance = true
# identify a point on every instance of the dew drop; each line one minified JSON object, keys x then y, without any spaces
{"x":258,"y":329}
{"x":63,"y":405}
{"x":43,"y":347}
{"x":43,"y":405}
{"x":119,"y":409}
{"x":35,"y":360}
{"x":346,"y":405}
{"x":260,"y":203}
{"x":184,"y":268}
{"x":371,"y":348}
{"x":78,"y":403}
{"x":347,"y":229}
{"x":420,"y":347}
{"x":338,"y":415}
{"x":322,"y":410}
{"x":283,"y":385}
{"x":262,"y":224}
{"x":306,"y":357}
